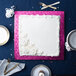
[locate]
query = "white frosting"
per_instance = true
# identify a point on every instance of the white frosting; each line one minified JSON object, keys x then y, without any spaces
{"x":39,"y":35}
{"x":3,"y":35}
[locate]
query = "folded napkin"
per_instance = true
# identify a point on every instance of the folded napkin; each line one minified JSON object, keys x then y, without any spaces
{"x":8,"y":68}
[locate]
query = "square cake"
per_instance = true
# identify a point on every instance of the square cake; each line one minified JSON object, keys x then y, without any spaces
{"x":39,"y":35}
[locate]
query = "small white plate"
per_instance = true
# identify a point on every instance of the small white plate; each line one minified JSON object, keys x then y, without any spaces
{"x":35,"y":71}
{"x":71,"y":39}
{"x":4,"y":35}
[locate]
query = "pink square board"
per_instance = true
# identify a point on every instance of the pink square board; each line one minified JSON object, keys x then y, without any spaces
{"x":16,"y":35}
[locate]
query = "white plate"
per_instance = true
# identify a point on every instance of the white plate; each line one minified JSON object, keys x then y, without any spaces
{"x":71,"y":39}
{"x":35,"y":71}
{"x":4,"y":35}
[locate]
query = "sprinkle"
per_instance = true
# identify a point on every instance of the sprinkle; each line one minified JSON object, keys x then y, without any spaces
{"x":40,"y":7}
{"x":11,"y":49}
{"x":51,"y":61}
{"x":43,"y":61}
{"x":54,"y":10}
{"x":11,"y":54}
{"x":10,"y":24}
{"x":69,"y":18}
{"x":58,"y":7}
{"x":23,"y":61}
{"x":12,"y":31}
{"x":32,"y":7}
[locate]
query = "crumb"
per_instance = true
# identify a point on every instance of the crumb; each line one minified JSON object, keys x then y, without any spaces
{"x":69,"y":18}
{"x":12,"y":31}
{"x":40,"y":7}
{"x":32,"y":7}
{"x":11,"y":54}
{"x":10,"y":24}
{"x":43,"y":61}
{"x":57,"y":7}
{"x":51,"y":61}
{"x":23,"y":61}
{"x":54,"y":10}
{"x":11,"y":49}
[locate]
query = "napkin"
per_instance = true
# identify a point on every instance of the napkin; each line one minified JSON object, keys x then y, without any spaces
{"x":67,"y":46}
{"x":8,"y":68}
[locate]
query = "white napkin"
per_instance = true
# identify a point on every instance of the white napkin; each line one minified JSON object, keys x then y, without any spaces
{"x":67,"y":46}
{"x":4,"y":63}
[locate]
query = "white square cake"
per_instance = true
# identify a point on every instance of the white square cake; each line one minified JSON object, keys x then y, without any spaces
{"x":39,"y":35}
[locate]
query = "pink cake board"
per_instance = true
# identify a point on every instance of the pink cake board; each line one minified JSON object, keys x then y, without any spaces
{"x":16,"y":35}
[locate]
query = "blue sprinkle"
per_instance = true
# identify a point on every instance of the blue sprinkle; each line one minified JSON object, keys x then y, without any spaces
{"x":40,"y":6}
